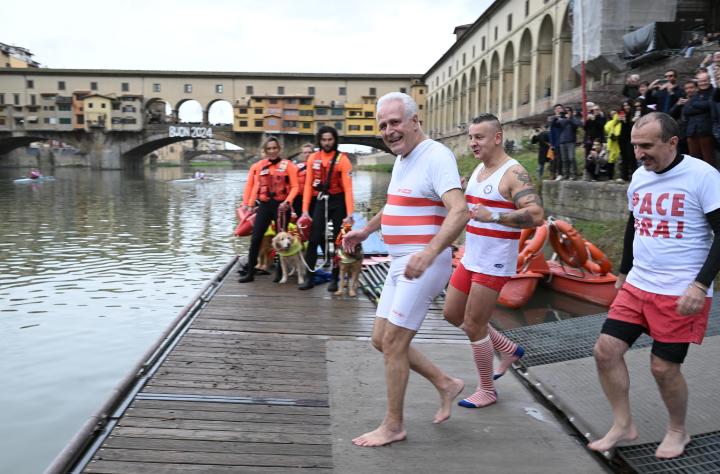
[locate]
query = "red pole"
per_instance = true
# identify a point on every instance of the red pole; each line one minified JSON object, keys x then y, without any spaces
{"x":584,"y":89}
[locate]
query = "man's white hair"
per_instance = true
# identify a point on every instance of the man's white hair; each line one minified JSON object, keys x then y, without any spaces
{"x":409,"y":104}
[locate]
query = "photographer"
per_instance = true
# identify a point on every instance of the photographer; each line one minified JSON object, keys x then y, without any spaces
{"x":666,"y":92}
{"x":677,"y":113}
{"x":542,"y":138}
{"x":568,"y":124}
{"x":595,"y":161}
{"x":555,"y":129}
{"x":594,"y":127}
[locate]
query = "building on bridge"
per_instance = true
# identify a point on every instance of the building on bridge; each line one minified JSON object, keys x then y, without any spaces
{"x":15,"y":56}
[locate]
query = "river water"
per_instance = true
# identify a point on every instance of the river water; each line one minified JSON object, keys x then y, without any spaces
{"x":95,"y":265}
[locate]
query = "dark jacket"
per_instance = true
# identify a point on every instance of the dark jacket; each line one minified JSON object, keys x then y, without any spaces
{"x":698,"y":113}
{"x":595,"y":128}
{"x":555,"y":130}
{"x":568,"y":128}
{"x":542,"y":138}
{"x":666,"y":99}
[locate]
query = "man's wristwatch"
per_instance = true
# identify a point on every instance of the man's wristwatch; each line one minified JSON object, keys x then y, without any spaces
{"x":494,"y":216}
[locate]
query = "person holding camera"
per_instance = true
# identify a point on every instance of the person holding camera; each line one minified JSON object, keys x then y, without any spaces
{"x":666,"y":91}
{"x":697,"y":113}
{"x":542,"y":138}
{"x":555,"y":129}
{"x":676,"y":112}
{"x":594,"y":126}
{"x":568,"y":125}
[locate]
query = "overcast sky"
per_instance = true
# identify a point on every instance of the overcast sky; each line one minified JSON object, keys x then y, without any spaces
{"x":371,"y":36}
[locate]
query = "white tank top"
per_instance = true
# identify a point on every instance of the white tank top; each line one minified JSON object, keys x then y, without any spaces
{"x":490,"y":248}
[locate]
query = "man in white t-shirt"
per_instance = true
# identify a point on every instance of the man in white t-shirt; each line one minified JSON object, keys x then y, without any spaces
{"x":670,"y":259}
{"x":424,"y":213}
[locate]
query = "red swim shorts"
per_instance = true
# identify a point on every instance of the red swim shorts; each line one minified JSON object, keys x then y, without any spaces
{"x":658,"y":315}
{"x":462,"y":279}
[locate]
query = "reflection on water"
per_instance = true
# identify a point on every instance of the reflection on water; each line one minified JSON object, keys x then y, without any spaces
{"x":93,"y":267}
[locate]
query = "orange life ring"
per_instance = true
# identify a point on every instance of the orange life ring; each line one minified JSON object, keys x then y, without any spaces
{"x":568,"y":243}
{"x":529,"y":248}
{"x":598,"y":262}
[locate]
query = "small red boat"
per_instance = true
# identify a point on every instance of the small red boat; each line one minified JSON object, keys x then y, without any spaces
{"x":581,"y":284}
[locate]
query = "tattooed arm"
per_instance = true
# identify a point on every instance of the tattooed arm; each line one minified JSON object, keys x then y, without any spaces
{"x":529,"y":212}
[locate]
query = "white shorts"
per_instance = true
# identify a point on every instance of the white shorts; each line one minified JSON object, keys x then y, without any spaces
{"x":405,"y":302}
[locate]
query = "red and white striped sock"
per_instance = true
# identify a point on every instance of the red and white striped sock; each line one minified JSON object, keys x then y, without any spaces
{"x":485,"y":395}
{"x":509,"y":351}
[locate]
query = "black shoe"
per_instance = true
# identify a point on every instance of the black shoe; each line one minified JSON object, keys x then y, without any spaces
{"x":308,"y":285}
{"x":247,"y":278}
{"x":332,"y":286}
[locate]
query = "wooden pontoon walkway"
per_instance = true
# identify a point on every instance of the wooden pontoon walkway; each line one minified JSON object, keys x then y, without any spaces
{"x":267,"y":378}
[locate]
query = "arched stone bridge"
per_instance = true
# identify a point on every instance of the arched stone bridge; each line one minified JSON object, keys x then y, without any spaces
{"x":117,"y":150}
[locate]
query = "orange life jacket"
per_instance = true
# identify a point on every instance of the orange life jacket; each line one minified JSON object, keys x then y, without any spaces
{"x":302,"y":176}
{"x":320,"y":175}
{"x":273,"y":183}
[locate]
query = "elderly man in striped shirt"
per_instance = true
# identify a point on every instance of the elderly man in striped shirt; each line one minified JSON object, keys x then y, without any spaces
{"x":425,"y":212}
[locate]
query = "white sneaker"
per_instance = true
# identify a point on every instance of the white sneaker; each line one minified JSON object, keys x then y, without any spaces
{"x":559,"y":178}
{"x":619,"y":180}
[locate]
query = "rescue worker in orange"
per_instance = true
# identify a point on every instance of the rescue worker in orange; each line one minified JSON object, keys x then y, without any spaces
{"x":328,"y":177}
{"x":273,"y":183}
{"x":305,"y":151}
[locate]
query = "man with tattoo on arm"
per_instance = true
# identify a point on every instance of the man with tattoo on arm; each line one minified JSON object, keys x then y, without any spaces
{"x":502,"y":200}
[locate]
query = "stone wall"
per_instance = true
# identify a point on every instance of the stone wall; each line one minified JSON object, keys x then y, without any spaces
{"x":606,"y":200}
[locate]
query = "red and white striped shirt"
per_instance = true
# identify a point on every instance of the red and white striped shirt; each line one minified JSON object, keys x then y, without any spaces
{"x":490,"y":248}
{"x":414,"y":211}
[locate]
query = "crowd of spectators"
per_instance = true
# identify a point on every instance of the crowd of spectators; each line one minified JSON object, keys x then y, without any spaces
{"x":693,"y":101}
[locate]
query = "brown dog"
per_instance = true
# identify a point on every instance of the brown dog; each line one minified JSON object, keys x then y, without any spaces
{"x":265,"y":254}
{"x":350,"y":268}
{"x":289,"y":248}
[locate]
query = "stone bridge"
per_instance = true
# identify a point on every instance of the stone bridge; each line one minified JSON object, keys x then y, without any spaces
{"x":124,"y":149}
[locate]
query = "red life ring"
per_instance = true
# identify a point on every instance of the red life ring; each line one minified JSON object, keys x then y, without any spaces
{"x":529,"y":248}
{"x":598,"y":262}
{"x":568,"y":243}
{"x":247,"y":219}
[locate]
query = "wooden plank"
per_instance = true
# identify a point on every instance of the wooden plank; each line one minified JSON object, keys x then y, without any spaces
{"x":124,"y":467}
{"x":254,"y":385}
{"x":227,"y":459}
{"x":213,"y":435}
{"x":248,"y":392}
{"x":284,"y":410}
{"x":119,"y":442}
{"x":222,"y":425}
{"x":166,"y":414}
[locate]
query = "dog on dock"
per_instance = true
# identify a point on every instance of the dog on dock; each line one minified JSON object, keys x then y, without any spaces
{"x":350,"y":264}
{"x":289,"y":247}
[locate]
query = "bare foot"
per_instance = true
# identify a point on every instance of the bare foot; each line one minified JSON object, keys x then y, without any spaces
{"x":613,"y":437}
{"x":447,"y":396}
{"x":379,"y":437}
{"x":338,"y":293}
{"x":673,"y":444}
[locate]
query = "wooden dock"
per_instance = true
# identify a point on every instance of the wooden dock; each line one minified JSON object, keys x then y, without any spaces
{"x":245,"y":388}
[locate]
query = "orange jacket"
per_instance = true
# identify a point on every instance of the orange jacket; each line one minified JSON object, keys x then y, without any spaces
{"x":250,"y":184}
{"x":254,"y":181}
{"x":318,"y":165}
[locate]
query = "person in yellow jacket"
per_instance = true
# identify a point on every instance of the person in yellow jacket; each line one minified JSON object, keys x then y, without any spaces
{"x":612,"y":135}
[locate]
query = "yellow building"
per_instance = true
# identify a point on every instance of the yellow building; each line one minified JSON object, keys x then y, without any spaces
{"x":360,"y":118}
{"x":97,"y":111}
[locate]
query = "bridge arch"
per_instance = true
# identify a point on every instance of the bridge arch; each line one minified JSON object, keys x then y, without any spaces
{"x":472,"y":94}
{"x":494,"y":105}
{"x":544,"y":51}
{"x":190,"y":111}
{"x":570,"y":78}
{"x":524,"y":68}
{"x":220,"y":112}
{"x":158,"y":110}
{"x":508,"y":78}
{"x":483,"y":87}
{"x":463,"y":118}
